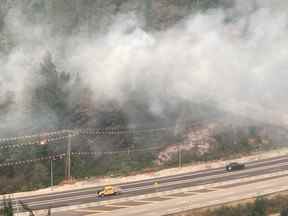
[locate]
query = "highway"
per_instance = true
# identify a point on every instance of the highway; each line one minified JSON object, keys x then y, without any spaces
{"x":209,"y":176}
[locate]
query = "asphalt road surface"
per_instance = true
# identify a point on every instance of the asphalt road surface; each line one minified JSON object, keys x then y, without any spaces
{"x":208,"y":176}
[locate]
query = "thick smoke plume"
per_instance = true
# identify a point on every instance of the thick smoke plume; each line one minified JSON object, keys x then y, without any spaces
{"x":235,"y":56}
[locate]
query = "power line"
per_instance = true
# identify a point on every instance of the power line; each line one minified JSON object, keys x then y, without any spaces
{"x":24,"y":162}
{"x":97,"y":132}
{"x":38,"y":142}
{"x":116,"y":152}
{"x":43,"y":138}
{"x":61,"y":156}
{"x":109,"y":132}
{"x":25,"y":137}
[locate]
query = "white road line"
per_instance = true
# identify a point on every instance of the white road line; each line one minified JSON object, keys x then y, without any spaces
{"x":45,"y":202}
{"x":146,"y":196}
{"x":149,"y":180}
{"x":153,"y":180}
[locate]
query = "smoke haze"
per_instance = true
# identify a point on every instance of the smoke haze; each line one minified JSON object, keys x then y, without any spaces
{"x":235,"y":56}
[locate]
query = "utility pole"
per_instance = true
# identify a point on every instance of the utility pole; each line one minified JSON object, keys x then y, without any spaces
{"x":196,"y":2}
{"x":68,"y":159}
{"x":51,"y":173}
{"x":179,"y":156}
{"x":16,"y":203}
{"x":176,"y":133}
{"x":148,"y":10}
{"x":179,"y":131}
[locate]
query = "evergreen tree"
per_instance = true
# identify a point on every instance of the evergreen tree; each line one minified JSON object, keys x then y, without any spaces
{"x":260,"y":207}
{"x":50,"y":96}
{"x":284,"y":212}
{"x":7,"y":207}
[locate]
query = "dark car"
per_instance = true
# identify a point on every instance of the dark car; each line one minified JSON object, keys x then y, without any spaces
{"x":235,"y":166}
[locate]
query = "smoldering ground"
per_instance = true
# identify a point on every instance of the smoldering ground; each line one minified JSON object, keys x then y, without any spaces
{"x":236,"y":57}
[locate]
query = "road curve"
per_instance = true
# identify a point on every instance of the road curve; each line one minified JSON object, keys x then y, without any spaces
{"x":203,"y":177}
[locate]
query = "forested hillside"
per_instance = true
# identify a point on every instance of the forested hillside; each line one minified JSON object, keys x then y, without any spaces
{"x":126,"y":65}
{"x":42,"y":90}
{"x":49,"y":95}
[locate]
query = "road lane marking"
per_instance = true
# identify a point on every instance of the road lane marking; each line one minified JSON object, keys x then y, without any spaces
{"x":156,"y":199}
{"x":249,"y":164}
{"x":63,"y":199}
{"x":169,"y":196}
{"x":162,"y":185}
{"x":217,"y":199}
{"x":121,"y":206}
{"x":184,"y":199}
{"x":130,"y":203}
{"x":182,"y":194}
{"x":204,"y":190}
{"x":88,"y":210}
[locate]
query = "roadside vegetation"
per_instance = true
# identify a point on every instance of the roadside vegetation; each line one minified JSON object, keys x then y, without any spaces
{"x":260,"y":207}
{"x":7,"y":209}
{"x":59,"y":99}
{"x":230,"y":142}
{"x":50,"y":97}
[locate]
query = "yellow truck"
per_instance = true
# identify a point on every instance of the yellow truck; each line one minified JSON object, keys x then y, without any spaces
{"x":108,"y":191}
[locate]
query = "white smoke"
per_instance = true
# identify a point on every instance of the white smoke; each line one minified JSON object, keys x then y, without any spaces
{"x":204,"y":56}
{"x":238,"y":57}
